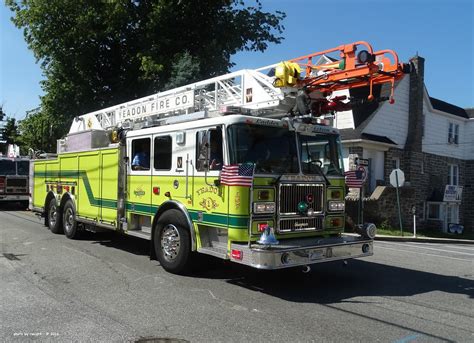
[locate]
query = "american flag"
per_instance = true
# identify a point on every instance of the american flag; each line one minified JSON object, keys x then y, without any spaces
{"x":237,"y":174}
{"x":352,"y":179}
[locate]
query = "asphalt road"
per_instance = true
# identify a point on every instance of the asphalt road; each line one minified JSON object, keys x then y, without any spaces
{"x":104,"y":287}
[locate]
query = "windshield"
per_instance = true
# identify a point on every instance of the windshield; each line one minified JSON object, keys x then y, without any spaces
{"x":321,"y":151}
{"x":7,"y":167}
{"x":272,"y":149}
{"x":23,"y":167}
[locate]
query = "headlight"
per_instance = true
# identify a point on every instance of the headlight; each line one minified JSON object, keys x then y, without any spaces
{"x":264,"y":207}
{"x":336,"y":206}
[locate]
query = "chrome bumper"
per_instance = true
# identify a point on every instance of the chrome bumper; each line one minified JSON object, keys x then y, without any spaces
{"x":15,"y":197}
{"x":300,"y":252}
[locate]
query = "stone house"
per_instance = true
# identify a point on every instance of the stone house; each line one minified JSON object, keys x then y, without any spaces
{"x":430,"y":140}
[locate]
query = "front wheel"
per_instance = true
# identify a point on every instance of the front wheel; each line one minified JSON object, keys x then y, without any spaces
{"x":54,"y":217}
{"x":172,"y":242}
{"x":69,"y":220}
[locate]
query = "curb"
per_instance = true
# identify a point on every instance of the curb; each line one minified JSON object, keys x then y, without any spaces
{"x":423,"y":240}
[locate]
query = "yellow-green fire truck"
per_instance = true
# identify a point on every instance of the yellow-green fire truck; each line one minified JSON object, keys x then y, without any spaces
{"x":241,"y":167}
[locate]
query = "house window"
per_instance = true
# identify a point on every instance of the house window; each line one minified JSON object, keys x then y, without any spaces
{"x":433,"y":210}
{"x":395,"y":163}
{"x":453,"y":175}
{"x":453,"y":133}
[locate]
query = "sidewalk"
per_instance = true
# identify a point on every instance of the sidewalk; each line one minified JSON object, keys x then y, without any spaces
{"x":423,"y":239}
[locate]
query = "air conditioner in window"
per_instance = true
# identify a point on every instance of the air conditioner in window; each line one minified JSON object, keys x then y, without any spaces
{"x":451,"y":140}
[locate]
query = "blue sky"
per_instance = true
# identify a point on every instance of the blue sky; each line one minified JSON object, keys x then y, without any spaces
{"x":441,"y":31}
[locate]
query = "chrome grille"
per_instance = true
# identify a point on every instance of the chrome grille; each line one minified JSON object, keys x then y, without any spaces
{"x":300,"y":224}
{"x":16,"y":182}
{"x":293,"y":193}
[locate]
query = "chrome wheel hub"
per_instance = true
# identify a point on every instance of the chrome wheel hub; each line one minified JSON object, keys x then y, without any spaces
{"x":69,"y":220}
{"x":53,"y":214}
{"x":170,"y":242}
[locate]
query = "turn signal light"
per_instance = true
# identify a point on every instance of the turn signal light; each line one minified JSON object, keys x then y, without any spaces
{"x":156,"y":190}
{"x":236,"y":254}
{"x":335,"y":222}
{"x":263,"y":195}
{"x":261,"y":226}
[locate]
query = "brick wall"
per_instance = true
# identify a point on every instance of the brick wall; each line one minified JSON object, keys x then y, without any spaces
{"x":468,"y":196}
{"x":428,"y":180}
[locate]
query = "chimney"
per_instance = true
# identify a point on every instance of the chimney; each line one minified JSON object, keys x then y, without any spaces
{"x":415,"y":107}
{"x":413,"y":145}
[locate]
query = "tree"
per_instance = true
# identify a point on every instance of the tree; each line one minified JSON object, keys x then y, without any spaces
{"x":100,"y":53}
{"x":9,"y":133}
{"x":39,"y":131}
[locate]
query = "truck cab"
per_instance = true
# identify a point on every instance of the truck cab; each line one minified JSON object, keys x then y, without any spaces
{"x":14,"y":180}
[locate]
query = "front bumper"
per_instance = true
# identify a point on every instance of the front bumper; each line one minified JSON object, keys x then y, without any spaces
{"x":14,"y":197}
{"x":301,"y":252}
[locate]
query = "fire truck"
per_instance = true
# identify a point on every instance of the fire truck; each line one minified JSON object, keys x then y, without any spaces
{"x":243,"y":167}
{"x":14,"y":178}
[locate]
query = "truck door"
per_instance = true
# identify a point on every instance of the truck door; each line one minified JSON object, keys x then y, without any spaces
{"x":169,"y":181}
{"x":210,"y":196}
{"x":139,"y":179}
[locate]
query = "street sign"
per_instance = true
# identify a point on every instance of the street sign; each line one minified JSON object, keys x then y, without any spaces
{"x":397,"y":179}
{"x":362,"y":162}
{"x":397,"y":174}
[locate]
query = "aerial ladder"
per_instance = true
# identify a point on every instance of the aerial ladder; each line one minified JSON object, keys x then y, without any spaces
{"x":303,"y":86}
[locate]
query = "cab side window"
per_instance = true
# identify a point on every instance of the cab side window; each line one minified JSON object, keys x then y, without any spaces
{"x":163,"y":153}
{"x":141,"y":154}
{"x":209,"y":154}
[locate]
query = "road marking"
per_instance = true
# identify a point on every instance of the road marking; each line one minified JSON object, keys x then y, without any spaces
{"x":442,"y":250}
{"x":420,"y":253}
{"x":443,"y":245}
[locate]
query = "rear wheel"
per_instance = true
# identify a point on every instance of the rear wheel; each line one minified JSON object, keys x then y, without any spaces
{"x":69,"y":220}
{"x":172,"y":242}
{"x":54,"y":217}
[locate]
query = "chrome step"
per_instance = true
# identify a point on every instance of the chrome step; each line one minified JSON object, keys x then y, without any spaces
{"x":139,"y":233}
{"x":218,"y":249}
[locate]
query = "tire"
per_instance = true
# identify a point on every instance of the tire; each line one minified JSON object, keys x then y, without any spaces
{"x":172,"y":242}
{"x":69,"y":220}
{"x":54,"y":217}
{"x":25,"y":205}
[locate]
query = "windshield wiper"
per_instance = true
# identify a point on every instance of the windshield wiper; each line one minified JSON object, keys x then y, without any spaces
{"x":320,"y":172}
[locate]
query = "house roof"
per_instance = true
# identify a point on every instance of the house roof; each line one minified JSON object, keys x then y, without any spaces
{"x":470,"y":112}
{"x":350,"y":134}
{"x":448,"y":108}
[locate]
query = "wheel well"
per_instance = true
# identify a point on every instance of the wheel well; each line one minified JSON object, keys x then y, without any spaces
{"x":176,"y":206}
{"x":65,"y":198}
{"x":49,"y":196}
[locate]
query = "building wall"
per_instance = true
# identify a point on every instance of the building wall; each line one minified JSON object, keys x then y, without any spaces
{"x":376,"y":167}
{"x":468,"y":195}
{"x":468,"y":139}
{"x":343,"y":119}
{"x":421,"y":134}
{"x":392,"y":120}
{"x":435,"y":138}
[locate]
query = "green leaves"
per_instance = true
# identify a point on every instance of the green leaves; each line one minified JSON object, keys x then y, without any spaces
{"x":99,"y":53}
